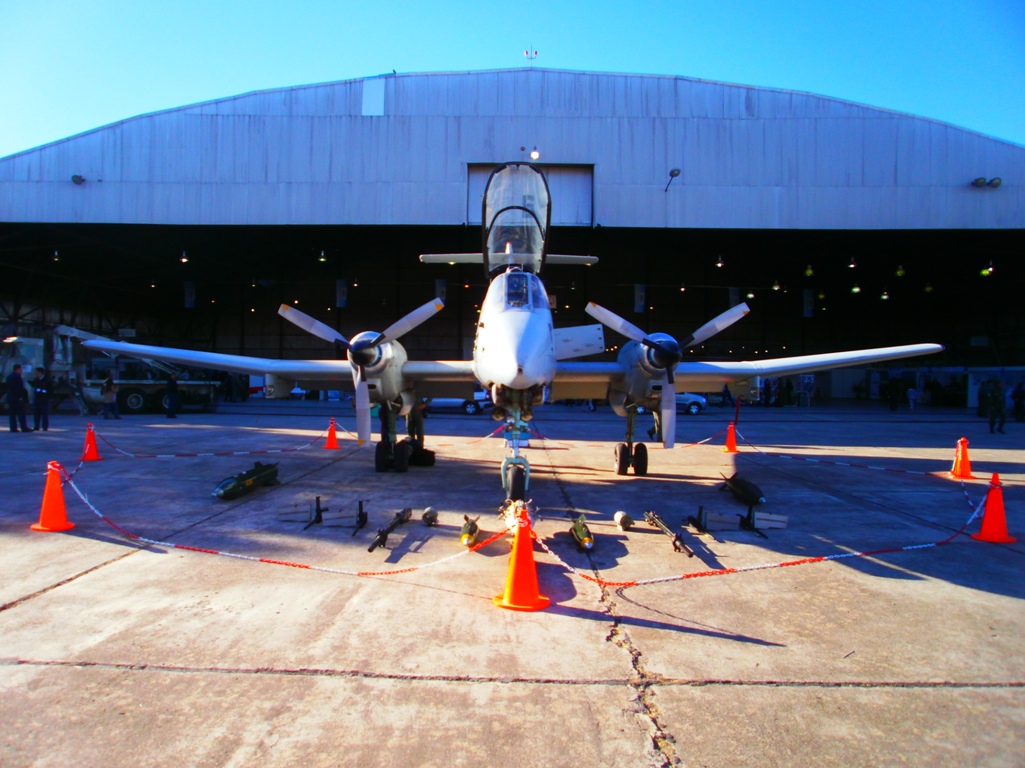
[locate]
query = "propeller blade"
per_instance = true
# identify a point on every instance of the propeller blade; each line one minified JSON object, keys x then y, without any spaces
{"x":615,"y":322}
{"x":362,"y":406}
{"x":409,"y":322}
{"x":308,"y":324}
{"x":668,"y":413}
{"x":716,"y":324}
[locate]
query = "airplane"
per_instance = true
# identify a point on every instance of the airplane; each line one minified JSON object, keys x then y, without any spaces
{"x":518,"y":353}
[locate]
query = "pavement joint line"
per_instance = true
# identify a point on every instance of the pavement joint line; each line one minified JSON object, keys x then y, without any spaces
{"x":654,"y":681}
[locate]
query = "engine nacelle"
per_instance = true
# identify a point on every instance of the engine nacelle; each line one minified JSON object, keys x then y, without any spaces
{"x":643,"y":374}
{"x":383,"y":368}
{"x":277,"y":388}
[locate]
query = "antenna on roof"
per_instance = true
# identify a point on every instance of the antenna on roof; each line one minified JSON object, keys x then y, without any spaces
{"x":530,"y":56}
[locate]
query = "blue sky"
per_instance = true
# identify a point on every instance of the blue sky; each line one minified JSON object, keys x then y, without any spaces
{"x":68,"y":66}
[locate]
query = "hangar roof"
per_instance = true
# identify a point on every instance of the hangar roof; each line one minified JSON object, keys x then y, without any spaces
{"x":402,"y":150}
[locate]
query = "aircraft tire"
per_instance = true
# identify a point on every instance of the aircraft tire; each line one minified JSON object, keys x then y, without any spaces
{"x":640,"y":459}
{"x":382,"y":456}
{"x":402,"y":451}
{"x":516,"y":481}
{"x":622,"y":458}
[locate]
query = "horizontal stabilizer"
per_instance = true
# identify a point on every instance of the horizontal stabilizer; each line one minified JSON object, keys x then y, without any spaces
{"x":452,"y":258}
{"x":478,"y":258}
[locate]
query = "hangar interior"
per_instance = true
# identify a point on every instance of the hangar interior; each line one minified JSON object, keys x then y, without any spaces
{"x":842,"y":226}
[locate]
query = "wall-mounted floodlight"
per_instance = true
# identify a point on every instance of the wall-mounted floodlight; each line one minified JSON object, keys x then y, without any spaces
{"x":993,"y":183}
{"x":78,"y":180}
{"x":673,"y":173}
{"x":534,"y":154}
{"x":979,"y":182}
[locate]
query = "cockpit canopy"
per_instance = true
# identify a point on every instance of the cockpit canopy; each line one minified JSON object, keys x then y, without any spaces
{"x":516,"y":214}
{"x":515,"y":290}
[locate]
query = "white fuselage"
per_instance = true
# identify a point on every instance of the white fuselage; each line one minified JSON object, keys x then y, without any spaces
{"x":515,"y":345}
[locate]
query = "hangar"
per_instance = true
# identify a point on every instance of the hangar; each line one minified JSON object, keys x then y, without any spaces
{"x":842,"y":225}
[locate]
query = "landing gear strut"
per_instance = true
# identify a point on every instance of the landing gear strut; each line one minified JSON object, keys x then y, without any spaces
{"x":630,"y":454}
{"x":515,"y":468}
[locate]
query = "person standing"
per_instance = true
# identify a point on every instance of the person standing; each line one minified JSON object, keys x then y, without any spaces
{"x":17,"y":396}
{"x":1018,"y":396}
{"x":912,"y":397}
{"x":42,"y":384}
{"x":109,"y":392}
{"x":172,"y":396}
{"x":997,"y":407}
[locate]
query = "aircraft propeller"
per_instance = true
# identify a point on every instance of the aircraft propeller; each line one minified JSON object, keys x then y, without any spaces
{"x":361,"y":352}
{"x":667,"y":353}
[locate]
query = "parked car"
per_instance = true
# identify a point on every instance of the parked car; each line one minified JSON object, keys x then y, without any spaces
{"x":481,"y":400}
{"x":690,"y":403}
{"x":687,"y":402}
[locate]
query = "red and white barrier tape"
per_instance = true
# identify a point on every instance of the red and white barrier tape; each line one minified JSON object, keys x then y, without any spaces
{"x":305,"y":566}
{"x":209,"y":453}
{"x":743,"y":569}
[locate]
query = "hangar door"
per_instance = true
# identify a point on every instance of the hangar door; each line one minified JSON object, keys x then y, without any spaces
{"x":570,"y":187}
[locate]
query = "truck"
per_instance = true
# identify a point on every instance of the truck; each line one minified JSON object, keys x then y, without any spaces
{"x":142,"y":386}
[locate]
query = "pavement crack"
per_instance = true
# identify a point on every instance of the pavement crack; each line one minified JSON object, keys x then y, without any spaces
{"x":642,"y":682}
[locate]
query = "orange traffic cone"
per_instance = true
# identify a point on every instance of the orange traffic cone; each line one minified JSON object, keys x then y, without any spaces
{"x":521,"y":590}
{"x":52,"y":516}
{"x":962,"y":469}
{"x":994,"y":523}
{"x":90,"y":452}
{"x":731,"y":440}
{"x":332,"y":437}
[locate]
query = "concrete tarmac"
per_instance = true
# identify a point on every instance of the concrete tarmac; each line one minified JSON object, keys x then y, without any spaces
{"x":114,"y":651}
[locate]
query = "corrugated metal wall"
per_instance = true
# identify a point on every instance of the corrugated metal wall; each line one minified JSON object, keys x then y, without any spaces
{"x":750,"y":158}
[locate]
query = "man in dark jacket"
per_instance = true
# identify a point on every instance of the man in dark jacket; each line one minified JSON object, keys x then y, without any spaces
{"x":17,"y":397}
{"x":43,"y":386}
{"x":172,"y":396}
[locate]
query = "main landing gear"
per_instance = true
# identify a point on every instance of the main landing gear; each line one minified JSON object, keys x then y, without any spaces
{"x":399,"y":455}
{"x":630,"y":454}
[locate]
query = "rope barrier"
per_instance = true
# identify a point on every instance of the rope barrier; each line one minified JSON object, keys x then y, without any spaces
{"x":976,"y":512}
{"x":209,"y":453}
{"x":305,"y":566}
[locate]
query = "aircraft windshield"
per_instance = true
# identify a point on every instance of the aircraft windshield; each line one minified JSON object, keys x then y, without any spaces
{"x":522,"y":290}
{"x":517,"y":211}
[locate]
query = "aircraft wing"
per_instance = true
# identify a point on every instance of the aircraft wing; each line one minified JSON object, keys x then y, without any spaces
{"x":335,"y":372}
{"x":591,"y":380}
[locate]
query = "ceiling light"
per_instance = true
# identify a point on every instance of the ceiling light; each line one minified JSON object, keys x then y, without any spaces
{"x":719,"y":262}
{"x":855,"y":288}
{"x":900,"y":271}
{"x":853,"y":264}
{"x":775,"y":285}
{"x":56,"y":256}
{"x":885,"y":296}
{"x":808,"y":271}
{"x":534,"y":154}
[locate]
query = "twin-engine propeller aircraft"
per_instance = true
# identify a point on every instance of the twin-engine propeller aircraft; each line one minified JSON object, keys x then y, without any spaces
{"x":518,"y":352}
